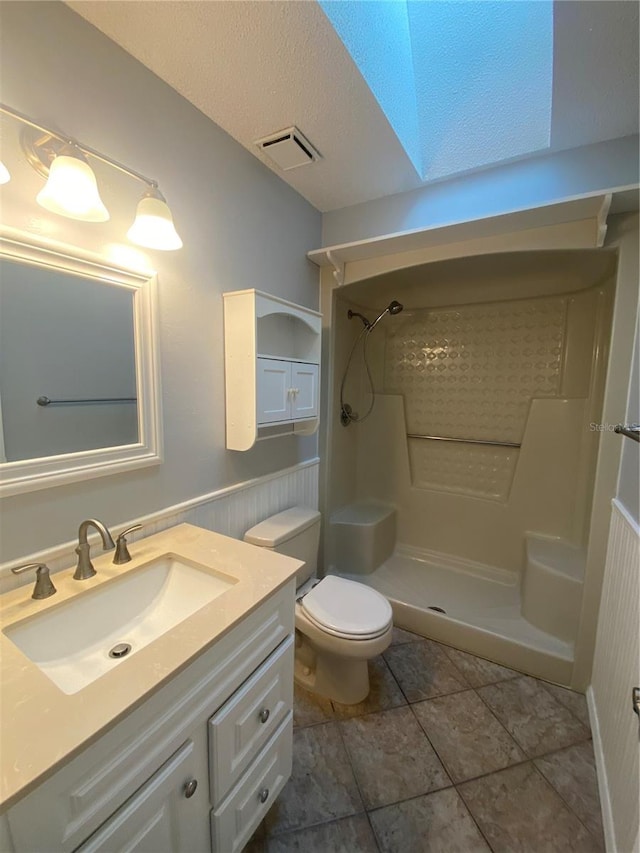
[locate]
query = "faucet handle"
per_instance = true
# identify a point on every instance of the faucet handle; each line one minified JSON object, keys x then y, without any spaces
{"x":122,"y":554}
{"x":44,"y":585}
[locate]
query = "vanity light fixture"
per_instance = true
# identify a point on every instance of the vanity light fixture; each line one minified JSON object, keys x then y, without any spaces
{"x":153,"y":226}
{"x":72,"y":190}
{"x":5,"y":177}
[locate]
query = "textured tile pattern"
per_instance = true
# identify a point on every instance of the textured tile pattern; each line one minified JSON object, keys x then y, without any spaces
{"x":322,"y":786}
{"x":572,"y":772}
{"x":442,"y":771}
{"x":391,"y":757}
{"x":475,"y":364}
{"x":348,"y":835}
{"x":469,"y":739}
{"x":537,"y":721}
{"x":438,"y":823}
{"x":574,"y":702}
{"x":423,"y":670}
{"x":517,"y":810}
{"x":478,"y":671}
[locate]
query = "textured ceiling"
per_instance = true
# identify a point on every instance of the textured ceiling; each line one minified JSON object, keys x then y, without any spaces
{"x":257,"y":66}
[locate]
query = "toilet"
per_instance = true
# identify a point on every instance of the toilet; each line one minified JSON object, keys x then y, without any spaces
{"x":340,"y":624}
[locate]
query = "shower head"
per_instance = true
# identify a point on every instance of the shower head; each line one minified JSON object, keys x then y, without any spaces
{"x":392,"y":308}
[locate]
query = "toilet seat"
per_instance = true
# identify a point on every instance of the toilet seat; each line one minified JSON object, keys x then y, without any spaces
{"x":347,"y":609}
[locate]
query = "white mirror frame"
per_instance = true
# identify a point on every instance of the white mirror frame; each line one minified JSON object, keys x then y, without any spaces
{"x":43,"y":473}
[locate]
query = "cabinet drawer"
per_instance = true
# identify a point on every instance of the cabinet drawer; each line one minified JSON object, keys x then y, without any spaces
{"x":239,"y":730}
{"x":235,"y":820}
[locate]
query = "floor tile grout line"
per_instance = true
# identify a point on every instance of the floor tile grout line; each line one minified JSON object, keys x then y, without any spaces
{"x":514,"y":736}
{"x":564,"y":800}
{"x":433,"y":747}
{"x":566,"y":707}
{"x":332,"y":820}
{"x":350,"y":760}
{"x":556,"y":791}
{"x":373,"y":832}
{"x":473,"y":818}
{"x":395,"y":802}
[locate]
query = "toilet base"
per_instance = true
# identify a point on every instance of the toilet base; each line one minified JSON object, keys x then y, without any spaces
{"x":344,"y":680}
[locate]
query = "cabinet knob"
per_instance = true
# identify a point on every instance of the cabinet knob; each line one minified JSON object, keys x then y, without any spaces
{"x":190,"y":788}
{"x":264,"y":715}
{"x":263,"y":796}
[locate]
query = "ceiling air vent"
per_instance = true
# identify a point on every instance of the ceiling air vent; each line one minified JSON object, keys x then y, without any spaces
{"x":289,"y":149}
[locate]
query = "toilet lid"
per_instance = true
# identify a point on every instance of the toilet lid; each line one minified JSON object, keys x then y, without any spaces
{"x":347,"y":608}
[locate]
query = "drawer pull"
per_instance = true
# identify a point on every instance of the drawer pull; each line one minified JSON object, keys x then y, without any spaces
{"x":264,"y":715}
{"x":190,"y":788}
{"x":263,"y":796}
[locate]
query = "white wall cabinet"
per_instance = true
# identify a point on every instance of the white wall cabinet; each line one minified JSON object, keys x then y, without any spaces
{"x":272,"y":367}
{"x":286,"y":391}
{"x":194,"y":768}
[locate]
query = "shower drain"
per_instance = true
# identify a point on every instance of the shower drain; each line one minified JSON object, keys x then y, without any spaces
{"x":120,"y":650}
{"x":437,"y":609}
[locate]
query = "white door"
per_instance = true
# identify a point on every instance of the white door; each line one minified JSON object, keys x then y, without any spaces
{"x":304,"y":381}
{"x":164,"y":816}
{"x":273,"y":392}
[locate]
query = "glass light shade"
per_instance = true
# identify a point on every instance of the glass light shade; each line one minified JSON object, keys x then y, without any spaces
{"x":5,"y":177}
{"x":71,"y":190}
{"x":153,"y":226}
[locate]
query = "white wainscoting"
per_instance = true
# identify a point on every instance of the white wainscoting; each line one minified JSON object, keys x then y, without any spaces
{"x":230,"y":511}
{"x":616,"y":670}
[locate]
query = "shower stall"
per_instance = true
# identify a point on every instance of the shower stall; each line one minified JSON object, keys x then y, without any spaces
{"x":462,"y":446}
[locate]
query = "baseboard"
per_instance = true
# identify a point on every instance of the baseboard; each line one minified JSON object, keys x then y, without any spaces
{"x":601,"y":771}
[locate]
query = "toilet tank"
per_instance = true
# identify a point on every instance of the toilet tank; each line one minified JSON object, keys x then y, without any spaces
{"x":295,"y":533}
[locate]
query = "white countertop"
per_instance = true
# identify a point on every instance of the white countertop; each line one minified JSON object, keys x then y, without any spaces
{"x":42,"y":727}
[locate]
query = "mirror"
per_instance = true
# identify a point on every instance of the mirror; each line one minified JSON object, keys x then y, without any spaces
{"x":79,"y":392}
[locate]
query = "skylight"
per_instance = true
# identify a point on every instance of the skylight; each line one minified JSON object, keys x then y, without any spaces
{"x":463,"y":83}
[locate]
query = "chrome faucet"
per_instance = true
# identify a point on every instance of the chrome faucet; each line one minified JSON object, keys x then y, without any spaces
{"x":85,"y":569}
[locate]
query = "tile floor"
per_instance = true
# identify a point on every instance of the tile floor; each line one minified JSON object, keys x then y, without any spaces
{"x":448,"y":754}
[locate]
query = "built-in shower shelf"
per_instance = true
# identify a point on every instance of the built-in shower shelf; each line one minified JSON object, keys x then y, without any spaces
{"x":552,"y":585}
{"x":364,"y":534}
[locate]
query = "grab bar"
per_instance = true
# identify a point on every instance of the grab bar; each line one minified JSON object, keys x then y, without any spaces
{"x":631,"y":431}
{"x":45,"y":401}
{"x":464,"y":440}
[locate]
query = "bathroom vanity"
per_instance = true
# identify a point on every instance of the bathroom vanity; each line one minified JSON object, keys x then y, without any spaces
{"x":181,"y":746}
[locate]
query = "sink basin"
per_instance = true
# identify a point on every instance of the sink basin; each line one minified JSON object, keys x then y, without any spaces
{"x":71,"y":643}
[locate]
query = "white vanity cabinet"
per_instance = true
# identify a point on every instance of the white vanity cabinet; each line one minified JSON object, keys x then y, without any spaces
{"x":193,"y":768}
{"x":272,"y":367}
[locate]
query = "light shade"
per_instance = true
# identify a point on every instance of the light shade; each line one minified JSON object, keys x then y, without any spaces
{"x":153,"y":226}
{"x":5,"y":177}
{"x":71,"y":190}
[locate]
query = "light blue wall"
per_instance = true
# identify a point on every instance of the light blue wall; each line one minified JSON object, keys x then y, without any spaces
{"x":241,"y":225}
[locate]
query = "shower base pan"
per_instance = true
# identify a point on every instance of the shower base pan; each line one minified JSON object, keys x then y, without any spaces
{"x":482,"y":613}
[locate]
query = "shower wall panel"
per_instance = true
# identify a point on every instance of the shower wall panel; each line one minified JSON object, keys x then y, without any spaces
{"x":471,"y":372}
{"x":527,"y":371}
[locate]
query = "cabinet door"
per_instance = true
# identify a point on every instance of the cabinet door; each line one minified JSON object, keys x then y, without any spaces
{"x":160,"y":817}
{"x":304,"y":380}
{"x":273,"y":391}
